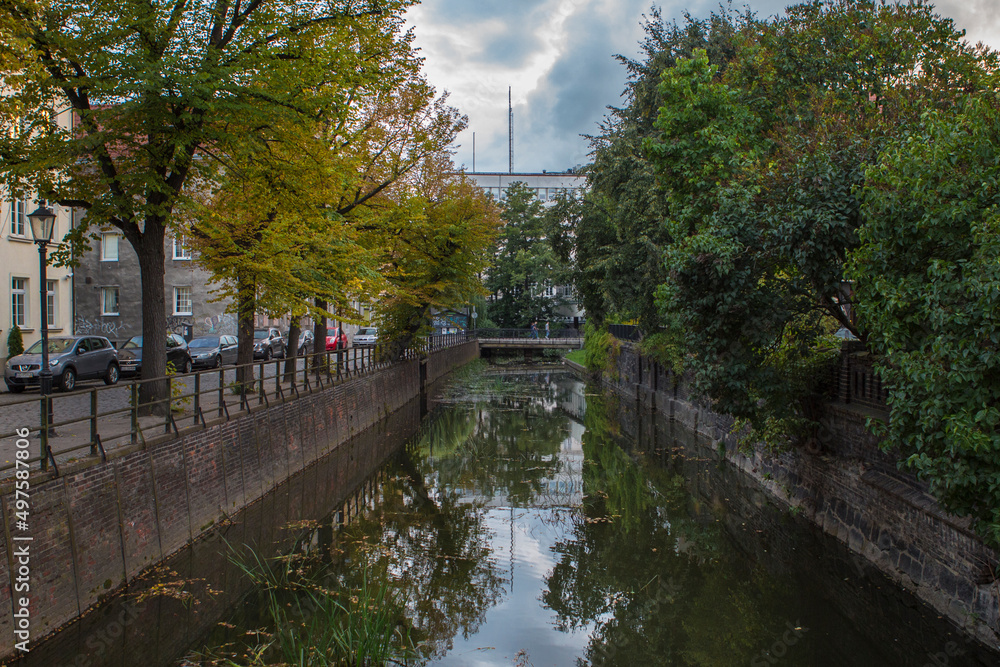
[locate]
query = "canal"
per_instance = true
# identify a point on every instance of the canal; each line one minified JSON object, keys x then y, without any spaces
{"x":527,"y":519}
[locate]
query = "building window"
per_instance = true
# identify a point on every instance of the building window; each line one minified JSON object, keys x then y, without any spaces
{"x":109,"y":247}
{"x":18,"y":219}
{"x":50,"y":303}
{"x":109,"y":301}
{"x":180,"y":250}
{"x":183,"y":301}
{"x":18,"y":301}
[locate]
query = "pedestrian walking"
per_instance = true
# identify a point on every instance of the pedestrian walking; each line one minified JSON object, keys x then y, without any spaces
{"x":546,"y":330}
{"x":534,"y":329}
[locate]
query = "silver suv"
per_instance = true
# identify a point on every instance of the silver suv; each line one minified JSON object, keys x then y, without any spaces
{"x":366,"y":337}
{"x":71,"y":358}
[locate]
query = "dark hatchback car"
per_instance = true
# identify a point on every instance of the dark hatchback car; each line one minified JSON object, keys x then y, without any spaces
{"x":268,"y":343}
{"x":71,"y":358}
{"x":130,"y":355}
{"x":212,"y":351}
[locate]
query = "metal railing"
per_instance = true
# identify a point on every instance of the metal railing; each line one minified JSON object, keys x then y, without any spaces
{"x":98,"y":418}
{"x":528,"y":333}
{"x":856,"y":381}
{"x":440,"y":341}
{"x":628,"y":332}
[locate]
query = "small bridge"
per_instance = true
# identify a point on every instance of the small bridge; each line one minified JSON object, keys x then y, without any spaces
{"x":528,"y":340}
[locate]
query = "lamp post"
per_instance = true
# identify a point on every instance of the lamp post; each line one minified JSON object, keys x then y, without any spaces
{"x":42,"y":224}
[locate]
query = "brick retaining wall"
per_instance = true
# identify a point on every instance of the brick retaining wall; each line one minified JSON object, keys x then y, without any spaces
{"x":852,"y":490}
{"x":440,"y":365}
{"x":99,"y":525}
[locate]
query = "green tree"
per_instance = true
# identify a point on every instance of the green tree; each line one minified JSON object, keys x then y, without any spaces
{"x":928,"y":284}
{"x":433,"y":250}
{"x":524,"y":263}
{"x":295,"y":226}
{"x":162,"y":94}
{"x":621,"y":236}
{"x":271,"y":245}
{"x":760,"y":163}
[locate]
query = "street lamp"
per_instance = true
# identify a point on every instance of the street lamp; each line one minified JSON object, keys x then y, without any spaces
{"x":43,"y":222}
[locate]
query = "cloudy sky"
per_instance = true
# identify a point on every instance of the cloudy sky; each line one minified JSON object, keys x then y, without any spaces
{"x":557,"y":56}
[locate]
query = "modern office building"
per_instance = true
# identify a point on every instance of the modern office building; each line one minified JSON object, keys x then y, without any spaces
{"x":546,"y":186}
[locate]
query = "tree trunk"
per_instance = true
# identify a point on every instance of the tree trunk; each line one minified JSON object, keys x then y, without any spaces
{"x":292,"y":349}
{"x":319,"y":337}
{"x":153,"y":396}
{"x":246,"y":306}
{"x":406,"y":338}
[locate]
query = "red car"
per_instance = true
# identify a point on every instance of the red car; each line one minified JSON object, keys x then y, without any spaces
{"x":336,"y":339}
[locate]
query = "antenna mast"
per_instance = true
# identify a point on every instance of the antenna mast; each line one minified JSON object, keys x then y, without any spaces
{"x":510,"y":132}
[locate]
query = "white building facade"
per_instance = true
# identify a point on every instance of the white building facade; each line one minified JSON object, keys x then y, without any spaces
{"x":20,"y":298}
{"x":546,"y":186}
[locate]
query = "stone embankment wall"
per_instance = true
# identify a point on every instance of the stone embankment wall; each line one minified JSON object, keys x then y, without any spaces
{"x":96,"y":527}
{"x":158,"y":630}
{"x":439,"y":365}
{"x":851,"y":489}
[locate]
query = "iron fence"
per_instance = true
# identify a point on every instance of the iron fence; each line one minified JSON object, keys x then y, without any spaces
{"x":528,"y":333}
{"x":90,"y":421}
{"x":628,"y":332}
{"x":439,"y":341}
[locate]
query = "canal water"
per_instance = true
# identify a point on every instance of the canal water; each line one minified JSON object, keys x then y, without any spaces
{"x":532,"y":520}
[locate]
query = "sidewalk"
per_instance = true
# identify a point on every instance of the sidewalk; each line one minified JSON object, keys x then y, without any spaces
{"x":114,"y":425}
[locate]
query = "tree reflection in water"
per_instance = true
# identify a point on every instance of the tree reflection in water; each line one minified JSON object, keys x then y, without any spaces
{"x":674,"y":595}
{"x":494,"y":445}
{"x":631,"y":564}
{"x":498,"y":444}
{"x":434,"y":552}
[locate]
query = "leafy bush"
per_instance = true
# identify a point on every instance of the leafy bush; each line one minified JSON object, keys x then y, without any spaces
{"x":602,"y":349}
{"x":177,"y":399}
{"x":666,"y":349}
{"x":927,"y":285}
{"x":15,"y":342}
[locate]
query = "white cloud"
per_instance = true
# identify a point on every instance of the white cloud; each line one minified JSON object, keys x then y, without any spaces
{"x":557,"y":56}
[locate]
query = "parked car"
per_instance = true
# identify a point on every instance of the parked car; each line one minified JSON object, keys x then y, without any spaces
{"x":366,"y":337}
{"x":71,"y":358}
{"x":268,"y":343}
{"x":212,"y":351}
{"x":305,"y":345}
{"x":130,"y":355}
{"x":336,"y":339}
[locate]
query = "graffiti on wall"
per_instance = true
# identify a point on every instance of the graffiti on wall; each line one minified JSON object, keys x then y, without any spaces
{"x":117,"y":329}
{"x":178,"y":325}
{"x":100,"y":327}
{"x":221,"y":324}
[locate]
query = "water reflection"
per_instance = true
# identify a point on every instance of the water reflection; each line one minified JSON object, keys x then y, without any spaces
{"x":624,"y":550}
{"x":534,"y":521}
{"x":651,"y":575}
